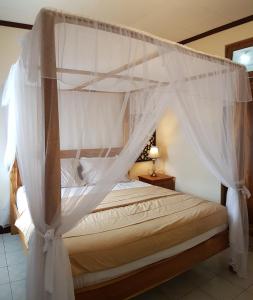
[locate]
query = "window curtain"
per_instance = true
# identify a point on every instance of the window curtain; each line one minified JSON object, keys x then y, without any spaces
{"x":146,"y":76}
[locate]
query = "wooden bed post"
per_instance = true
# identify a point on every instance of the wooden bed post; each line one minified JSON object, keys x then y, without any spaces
{"x":50,"y":97}
{"x":15,"y":183}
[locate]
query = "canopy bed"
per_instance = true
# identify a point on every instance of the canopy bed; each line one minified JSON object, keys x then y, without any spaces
{"x":83,"y":100}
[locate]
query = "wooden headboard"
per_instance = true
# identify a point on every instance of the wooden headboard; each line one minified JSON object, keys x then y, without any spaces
{"x":15,"y":183}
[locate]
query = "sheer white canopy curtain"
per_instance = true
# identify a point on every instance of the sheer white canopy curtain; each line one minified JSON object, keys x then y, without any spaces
{"x":87,"y":97}
{"x":4,"y":176}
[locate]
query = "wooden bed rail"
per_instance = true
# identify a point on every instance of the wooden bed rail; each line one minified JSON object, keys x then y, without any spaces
{"x":99,"y":152}
{"x":141,"y":280}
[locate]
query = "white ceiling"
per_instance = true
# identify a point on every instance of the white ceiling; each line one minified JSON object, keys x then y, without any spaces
{"x":172,"y":19}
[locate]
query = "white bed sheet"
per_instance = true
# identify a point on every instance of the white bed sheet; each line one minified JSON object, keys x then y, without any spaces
{"x":21,"y":200}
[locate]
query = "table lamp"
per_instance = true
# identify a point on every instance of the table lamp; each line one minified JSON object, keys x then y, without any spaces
{"x":153,"y":154}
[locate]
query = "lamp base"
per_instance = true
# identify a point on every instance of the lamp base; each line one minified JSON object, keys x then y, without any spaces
{"x":153,"y":169}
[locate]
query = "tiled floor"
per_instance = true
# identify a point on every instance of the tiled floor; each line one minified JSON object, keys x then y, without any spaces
{"x":12,"y":268}
{"x":208,"y":281}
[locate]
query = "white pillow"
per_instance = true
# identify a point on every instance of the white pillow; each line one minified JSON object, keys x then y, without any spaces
{"x":95,"y":167}
{"x":70,"y":173}
{"x":125,"y":178}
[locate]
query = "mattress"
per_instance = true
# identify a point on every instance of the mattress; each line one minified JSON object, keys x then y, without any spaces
{"x":136,"y":224}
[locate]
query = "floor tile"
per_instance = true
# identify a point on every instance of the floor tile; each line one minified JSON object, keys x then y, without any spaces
{"x":234,"y":279}
{"x":2,"y":260}
{"x":12,"y":237}
{"x":5,"y":292}
{"x":17,"y":272}
{"x":154,"y":294}
{"x":197,"y":294}
{"x":245,"y":296}
{"x":216,"y":264}
{"x":15,"y":257}
{"x":12,"y":245}
{"x":199,"y":275}
{"x":220,"y":289}
{"x":177,"y":287}
{"x":18,"y":290}
{"x":1,"y":246}
{"x":4,"y":276}
{"x":250,"y":289}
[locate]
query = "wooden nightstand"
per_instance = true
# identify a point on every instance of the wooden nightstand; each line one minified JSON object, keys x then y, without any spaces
{"x":161,"y":180}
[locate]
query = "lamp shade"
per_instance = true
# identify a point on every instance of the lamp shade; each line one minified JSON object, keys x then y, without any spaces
{"x":153,"y":152}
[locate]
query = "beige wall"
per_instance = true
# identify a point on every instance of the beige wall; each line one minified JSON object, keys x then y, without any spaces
{"x":179,"y":159}
{"x":10,"y":48}
{"x":215,"y":44}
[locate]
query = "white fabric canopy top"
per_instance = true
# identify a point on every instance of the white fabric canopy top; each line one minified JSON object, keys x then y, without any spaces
{"x":84,"y":98}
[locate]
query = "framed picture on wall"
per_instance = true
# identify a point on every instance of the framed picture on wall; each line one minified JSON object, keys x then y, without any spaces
{"x":144,"y":154}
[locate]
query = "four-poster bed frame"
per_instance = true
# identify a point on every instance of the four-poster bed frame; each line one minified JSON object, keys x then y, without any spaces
{"x":126,"y":286}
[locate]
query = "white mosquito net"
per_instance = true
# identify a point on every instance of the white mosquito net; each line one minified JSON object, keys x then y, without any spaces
{"x":84,"y":98}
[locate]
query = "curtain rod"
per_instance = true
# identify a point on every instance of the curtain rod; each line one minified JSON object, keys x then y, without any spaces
{"x":136,"y":34}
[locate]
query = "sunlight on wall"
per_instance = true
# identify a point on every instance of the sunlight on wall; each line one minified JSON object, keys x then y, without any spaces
{"x":180,"y":160}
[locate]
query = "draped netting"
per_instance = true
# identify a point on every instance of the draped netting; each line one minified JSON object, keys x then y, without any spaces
{"x":86,"y":97}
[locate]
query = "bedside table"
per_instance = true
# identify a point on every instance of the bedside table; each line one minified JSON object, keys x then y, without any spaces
{"x":161,"y":180}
